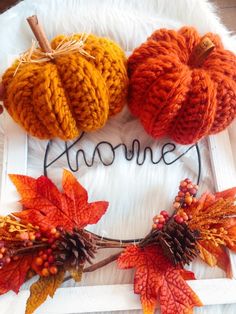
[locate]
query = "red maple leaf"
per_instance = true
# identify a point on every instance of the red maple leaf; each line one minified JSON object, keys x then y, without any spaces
{"x":45,"y":206}
{"x":157,"y":280}
{"x":13,"y":275}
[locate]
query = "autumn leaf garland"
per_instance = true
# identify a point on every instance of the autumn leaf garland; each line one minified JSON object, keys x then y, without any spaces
{"x":39,"y":237}
{"x":48,"y":238}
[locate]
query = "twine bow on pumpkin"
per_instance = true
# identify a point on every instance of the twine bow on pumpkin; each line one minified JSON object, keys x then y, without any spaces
{"x":36,"y":55}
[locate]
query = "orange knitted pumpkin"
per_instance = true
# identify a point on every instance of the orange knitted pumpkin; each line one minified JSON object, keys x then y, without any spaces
{"x":174,"y":97}
{"x":71,"y":93}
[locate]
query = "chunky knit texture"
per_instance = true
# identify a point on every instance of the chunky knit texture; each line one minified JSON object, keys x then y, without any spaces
{"x":173,"y":98}
{"x":70,"y":94}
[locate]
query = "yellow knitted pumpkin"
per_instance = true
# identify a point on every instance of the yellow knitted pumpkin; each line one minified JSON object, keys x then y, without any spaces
{"x":69,"y":94}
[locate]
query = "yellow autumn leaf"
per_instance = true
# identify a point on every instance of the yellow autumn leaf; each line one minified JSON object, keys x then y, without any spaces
{"x":206,"y":256}
{"x":41,"y":289}
{"x":76,"y":274}
{"x":215,"y":255}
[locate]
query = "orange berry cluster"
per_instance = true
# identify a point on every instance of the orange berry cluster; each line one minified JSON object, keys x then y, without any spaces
{"x":186,"y":194}
{"x":30,"y":237}
{"x":4,"y":258}
{"x":44,"y":262}
{"x":185,"y":197}
{"x":160,"y":220}
{"x":181,"y":217}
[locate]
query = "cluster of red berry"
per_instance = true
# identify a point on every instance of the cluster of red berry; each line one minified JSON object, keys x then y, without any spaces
{"x":185,"y":197}
{"x":29,"y":237}
{"x":181,"y":217}
{"x":44,"y":262}
{"x":160,"y":220}
{"x":4,"y":257}
{"x":186,"y":194}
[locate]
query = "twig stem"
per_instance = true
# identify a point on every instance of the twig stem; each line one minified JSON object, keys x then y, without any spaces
{"x":102,"y":263}
{"x":30,"y":248}
{"x":39,"y":33}
{"x":98,"y":265}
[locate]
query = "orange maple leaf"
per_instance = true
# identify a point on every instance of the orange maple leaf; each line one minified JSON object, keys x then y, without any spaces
{"x":229,"y":193}
{"x":45,"y":206}
{"x":13,"y":275}
{"x":157,"y":280}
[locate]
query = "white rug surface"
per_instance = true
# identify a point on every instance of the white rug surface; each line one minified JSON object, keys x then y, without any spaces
{"x":136,"y":193}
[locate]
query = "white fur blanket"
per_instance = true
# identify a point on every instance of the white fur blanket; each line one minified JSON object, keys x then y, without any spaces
{"x":136,"y":193}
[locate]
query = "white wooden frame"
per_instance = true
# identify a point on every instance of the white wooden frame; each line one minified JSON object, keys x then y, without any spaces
{"x":94,"y":298}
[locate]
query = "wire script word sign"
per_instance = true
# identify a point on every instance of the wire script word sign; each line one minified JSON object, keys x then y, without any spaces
{"x":135,"y":151}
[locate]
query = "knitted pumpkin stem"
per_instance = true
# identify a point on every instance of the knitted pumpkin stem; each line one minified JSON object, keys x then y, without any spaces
{"x":39,"y":33}
{"x":201,"y":52}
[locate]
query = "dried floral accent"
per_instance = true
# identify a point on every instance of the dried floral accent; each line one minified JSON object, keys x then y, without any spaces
{"x":17,"y":239}
{"x":211,"y":216}
{"x":214,"y":217}
{"x":15,"y":232}
{"x":11,"y":224}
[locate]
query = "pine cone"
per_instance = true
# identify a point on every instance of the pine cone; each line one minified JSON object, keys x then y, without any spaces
{"x":74,"y":248}
{"x":178,"y":242}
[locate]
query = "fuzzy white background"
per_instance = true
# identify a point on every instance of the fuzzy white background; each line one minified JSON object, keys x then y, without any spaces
{"x":136,"y":193}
